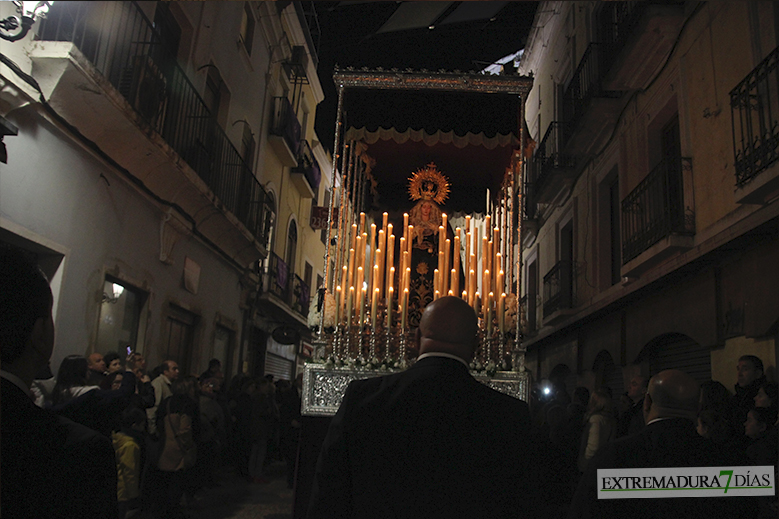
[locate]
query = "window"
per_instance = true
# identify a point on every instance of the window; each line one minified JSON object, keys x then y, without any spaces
{"x":179,"y":336}
{"x":308,"y":275}
{"x":292,"y":247}
{"x":224,"y":350}
{"x":269,"y":211}
{"x":120,"y":317}
{"x":216,"y":96}
{"x":323,"y":232}
{"x":614,"y":237}
{"x":247,"y":146}
{"x":608,"y":229}
{"x":532,"y":296}
{"x":246,"y":34}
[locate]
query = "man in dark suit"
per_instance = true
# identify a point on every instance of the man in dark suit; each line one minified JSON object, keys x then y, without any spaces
{"x":51,"y":467}
{"x":669,"y":439}
{"x":429,"y":442}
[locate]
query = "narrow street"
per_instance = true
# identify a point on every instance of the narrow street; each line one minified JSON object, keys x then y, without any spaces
{"x":234,"y":498}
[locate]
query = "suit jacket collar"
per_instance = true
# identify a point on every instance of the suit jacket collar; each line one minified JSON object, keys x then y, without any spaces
{"x":441,"y":354}
{"x":16,"y":381}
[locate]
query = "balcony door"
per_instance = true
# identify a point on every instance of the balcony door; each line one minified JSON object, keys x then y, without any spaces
{"x":566,"y":264}
{"x":671,"y":150}
{"x":292,"y":247}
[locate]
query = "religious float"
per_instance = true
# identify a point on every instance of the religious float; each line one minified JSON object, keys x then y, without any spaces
{"x":383,"y":268}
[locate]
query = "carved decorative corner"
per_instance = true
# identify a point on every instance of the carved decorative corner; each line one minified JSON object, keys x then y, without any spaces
{"x":172,"y":228}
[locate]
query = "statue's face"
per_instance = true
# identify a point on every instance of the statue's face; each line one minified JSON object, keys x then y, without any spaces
{"x":425,"y":210}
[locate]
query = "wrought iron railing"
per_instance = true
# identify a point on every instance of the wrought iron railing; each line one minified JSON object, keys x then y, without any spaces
{"x":278,"y":276}
{"x":285,"y":123}
{"x":617,"y":21}
{"x":308,"y":166}
{"x":754,"y":107}
{"x":124,"y":46}
{"x":585,"y":85}
{"x":550,"y":155}
{"x":285,"y":285}
{"x":654,"y":210}
{"x":559,"y":288}
{"x":299,"y":296}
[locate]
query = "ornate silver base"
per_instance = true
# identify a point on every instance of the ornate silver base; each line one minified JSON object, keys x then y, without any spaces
{"x":324,"y":386}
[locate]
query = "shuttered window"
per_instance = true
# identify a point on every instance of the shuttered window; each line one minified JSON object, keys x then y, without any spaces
{"x":279,"y":367}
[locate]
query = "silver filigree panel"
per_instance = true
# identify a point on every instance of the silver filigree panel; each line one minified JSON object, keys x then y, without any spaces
{"x":323,"y":388}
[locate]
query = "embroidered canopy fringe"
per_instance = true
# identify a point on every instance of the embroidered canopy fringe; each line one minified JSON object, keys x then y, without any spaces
{"x":469,"y":139}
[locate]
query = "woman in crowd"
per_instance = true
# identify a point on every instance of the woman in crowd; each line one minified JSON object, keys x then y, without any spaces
{"x":600,"y":426}
{"x":96,"y":408}
{"x":178,"y":423}
{"x":762,"y":450}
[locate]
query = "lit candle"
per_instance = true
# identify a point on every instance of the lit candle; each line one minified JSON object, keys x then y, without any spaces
{"x":374,"y":308}
{"x":444,"y":221}
{"x":437,"y":286}
{"x":384,"y":218}
{"x":407,"y":281}
{"x":390,"y":293}
{"x":410,"y":239}
{"x":375,"y":279}
{"x":489,"y":314}
{"x":468,"y":265}
{"x":453,"y":282}
{"x":353,"y":241}
{"x":465,"y":295}
{"x":405,"y":225}
{"x":349,"y":306}
{"x":337,"y":304}
{"x":471,"y":286}
{"x":485,"y":286}
{"x":502,"y":313}
{"x":450,"y":293}
{"x":476,"y":303}
{"x":485,"y":256}
{"x":499,"y":281}
{"x":391,"y":259}
{"x":378,"y":280}
{"x":435,"y":283}
{"x":456,"y":252}
{"x":447,"y":260}
{"x":362,"y":222}
{"x":362,"y":303}
{"x":441,"y":238}
{"x":350,"y":275}
{"x":404,"y":309}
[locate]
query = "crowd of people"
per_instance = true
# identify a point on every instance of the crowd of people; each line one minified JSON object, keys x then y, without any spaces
{"x":108,"y":438}
{"x":570,"y":430}
{"x":171,"y":433}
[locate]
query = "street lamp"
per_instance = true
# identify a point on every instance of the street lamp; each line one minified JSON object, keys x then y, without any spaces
{"x":15,"y":28}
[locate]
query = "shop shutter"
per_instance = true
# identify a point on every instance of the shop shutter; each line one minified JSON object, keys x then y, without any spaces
{"x":277,"y":366}
{"x":683,"y":354}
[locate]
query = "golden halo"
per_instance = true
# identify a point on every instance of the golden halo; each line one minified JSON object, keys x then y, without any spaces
{"x":429,"y":184}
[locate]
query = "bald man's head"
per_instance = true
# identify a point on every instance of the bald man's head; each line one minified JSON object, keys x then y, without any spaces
{"x":671,"y":394}
{"x":448,"y":325}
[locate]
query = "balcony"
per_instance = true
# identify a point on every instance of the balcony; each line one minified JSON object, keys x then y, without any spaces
{"x":306,"y":175}
{"x":552,"y":169}
{"x":754,"y":105}
{"x":559,"y":292}
{"x":284,"y":135}
{"x":636,"y":37}
{"x":529,"y":216}
{"x":655,"y":222}
{"x":589,"y":109}
{"x":103,"y":67}
{"x":285,"y":292}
